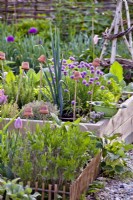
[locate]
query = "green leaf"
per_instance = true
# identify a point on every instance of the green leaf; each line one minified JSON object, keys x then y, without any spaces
{"x":28,"y":190}
{"x":117,"y":70}
{"x":119,"y":168}
{"x":111,"y":76}
{"x":10,"y":77}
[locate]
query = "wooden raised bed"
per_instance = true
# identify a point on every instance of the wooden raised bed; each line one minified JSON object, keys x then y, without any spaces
{"x":76,"y":189}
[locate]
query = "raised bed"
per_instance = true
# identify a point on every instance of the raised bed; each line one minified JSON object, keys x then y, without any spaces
{"x":75,"y":189}
{"x":122,"y":123}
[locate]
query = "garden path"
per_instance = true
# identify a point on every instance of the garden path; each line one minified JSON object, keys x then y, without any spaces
{"x":117,"y":189}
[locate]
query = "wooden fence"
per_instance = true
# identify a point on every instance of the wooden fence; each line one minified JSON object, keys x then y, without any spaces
{"x":74,"y":191}
{"x":18,"y":9}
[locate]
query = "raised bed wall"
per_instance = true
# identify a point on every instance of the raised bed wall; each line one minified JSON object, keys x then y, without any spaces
{"x":122,"y":123}
{"x":75,"y":189}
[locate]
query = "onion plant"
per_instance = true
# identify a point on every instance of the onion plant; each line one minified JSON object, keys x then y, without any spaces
{"x":53,"y":75}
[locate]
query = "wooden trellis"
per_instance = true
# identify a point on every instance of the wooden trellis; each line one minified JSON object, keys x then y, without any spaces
{"x":118,"y":29}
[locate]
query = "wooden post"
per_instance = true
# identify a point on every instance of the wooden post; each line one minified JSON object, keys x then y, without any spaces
{"x":116,"y":29}
{"x":6,"y":9}
{"x":35,"y":9}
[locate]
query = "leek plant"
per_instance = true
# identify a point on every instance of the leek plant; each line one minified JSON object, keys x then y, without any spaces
{"x":53,"y":76}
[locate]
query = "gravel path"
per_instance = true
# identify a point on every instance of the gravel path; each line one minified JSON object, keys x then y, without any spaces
{"x":116,"y":189}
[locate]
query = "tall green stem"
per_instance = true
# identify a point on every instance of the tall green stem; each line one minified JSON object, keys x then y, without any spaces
{"x":74,"y":107}
{"x":39,"y":97}
{"x":19,"y":87}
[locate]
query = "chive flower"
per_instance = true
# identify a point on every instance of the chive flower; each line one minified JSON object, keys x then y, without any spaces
{"x":102,"y":87}
{"x":72,"y":76}
{"x":65,"y":90}
{"x":72,"y":58}
{"x":97,"y":83}
{"x":109,"y":82}
{"x":84,"y":82}
{"x":65,"y":73}
{"x":73,"y":102}
{"x":10,"y":38}
{"x":89,"y":92}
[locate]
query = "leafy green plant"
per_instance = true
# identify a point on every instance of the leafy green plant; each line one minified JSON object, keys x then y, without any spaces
{"x":114,"y":153}
{"x":9,"y":110}
{"x":28,"y":88}
{"x":95,"y":187}
{"x":51,"y":153}
{"x":14,"y":191}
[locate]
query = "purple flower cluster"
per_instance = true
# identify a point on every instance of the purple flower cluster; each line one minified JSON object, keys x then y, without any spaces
{"x":3,"y":97}
{"x":73,"y":102}
{"x":10,"y":38}
{"x":33,"y":30}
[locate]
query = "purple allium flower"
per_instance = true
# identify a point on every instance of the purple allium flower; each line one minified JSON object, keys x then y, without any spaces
{"x":79,"y":66}
{"x":90,"y":82}
{"x":76,"y":63}
{"x":84,"y":72}
{"x":98,"y":71}
{"x":65,"y":90}
{"x":64,"y":61}
{"x":72,"y":58}
{"x":87,"y":84}
{"x":82,"y":66}
{"x":92,"y":79}
{"x":97,"y":78}
{"x":109,"y":82}
{"x":32,"y":30}
{"x":10,"y":38}
{"x":3,"y":97}
{"x":72,"y":76}
{"x":97,"y":83}
{"x":71,"y":66}
{"x":89,"y":92}
{"x":84,"y":82}
{"x":83,"y":76}
{"x":65,"y":73}
{"x":92,"y":71}
{"x":101,"y":73}
{"x":18,"y":123}
{"x":82,"y":62}
{"x":62,"y":69}
{"x":102,"y":87}
{"x":91,"y":68}
{"x":73,"y":102}
{"x":87,"y":65}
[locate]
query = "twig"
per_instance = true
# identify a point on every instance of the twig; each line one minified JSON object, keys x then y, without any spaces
{"x":125,"y":39}
{"x":106,"y":40}
{"x":116,"y":29}
{"x":113,"y":36}
{"x":129,"y":26}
